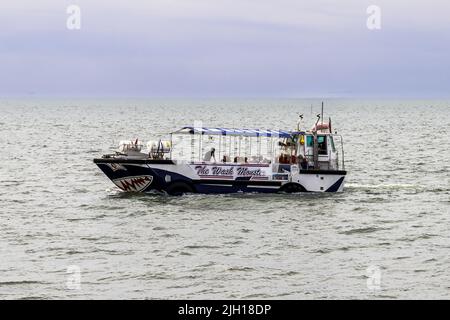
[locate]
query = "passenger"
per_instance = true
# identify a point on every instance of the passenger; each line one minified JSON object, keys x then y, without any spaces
{"x":210,"y":154}
{"x":302,"y":162}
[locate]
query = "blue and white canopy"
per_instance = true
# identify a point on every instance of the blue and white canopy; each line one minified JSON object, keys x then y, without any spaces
{"x":237,"y":132}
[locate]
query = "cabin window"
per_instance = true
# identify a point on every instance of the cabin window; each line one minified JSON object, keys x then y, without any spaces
{"x":322,"y":144}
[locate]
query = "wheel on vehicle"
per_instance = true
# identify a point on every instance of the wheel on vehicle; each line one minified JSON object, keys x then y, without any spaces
{"x":292,"y":188}
{"x":179,"y":188}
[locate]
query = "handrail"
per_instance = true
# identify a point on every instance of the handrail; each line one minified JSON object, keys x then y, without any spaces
{"x":342,"y":150}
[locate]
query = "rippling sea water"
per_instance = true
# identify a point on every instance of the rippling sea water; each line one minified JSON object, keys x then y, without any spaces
{"x":58,"y":210}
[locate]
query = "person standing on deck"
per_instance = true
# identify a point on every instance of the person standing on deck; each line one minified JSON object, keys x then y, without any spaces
{"x":210,"y":154}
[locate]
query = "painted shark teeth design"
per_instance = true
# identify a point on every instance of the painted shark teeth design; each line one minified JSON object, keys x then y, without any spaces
{"x":136,"y":183}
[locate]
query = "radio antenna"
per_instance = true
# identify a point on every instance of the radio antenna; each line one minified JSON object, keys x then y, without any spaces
{"x":322,"y":113}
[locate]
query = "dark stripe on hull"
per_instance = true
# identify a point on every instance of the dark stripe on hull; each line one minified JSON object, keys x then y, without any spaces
{"x":130,"y":161}
{"x":214,"y":189}
{"x":335,"y":172}
{"x":336,"y":185}
{"x":239,"y":182}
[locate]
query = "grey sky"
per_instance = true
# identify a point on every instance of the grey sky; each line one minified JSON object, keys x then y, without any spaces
{"x":225,"y":48}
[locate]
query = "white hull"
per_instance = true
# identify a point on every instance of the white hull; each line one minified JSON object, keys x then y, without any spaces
{"x":146,"y":175}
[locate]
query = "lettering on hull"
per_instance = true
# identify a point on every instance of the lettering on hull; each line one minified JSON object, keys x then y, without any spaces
{"x":231,"y":172}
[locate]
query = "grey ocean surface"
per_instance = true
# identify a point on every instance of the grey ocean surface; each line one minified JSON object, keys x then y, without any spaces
{"x":58,"y":210}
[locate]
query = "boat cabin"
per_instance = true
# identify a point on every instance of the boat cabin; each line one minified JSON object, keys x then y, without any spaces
{"x":281,"y":149}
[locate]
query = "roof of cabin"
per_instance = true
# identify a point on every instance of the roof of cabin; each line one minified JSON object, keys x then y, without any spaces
{"x":238,"y":132}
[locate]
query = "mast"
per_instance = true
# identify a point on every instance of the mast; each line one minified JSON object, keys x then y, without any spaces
{"x":321,"y":116}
